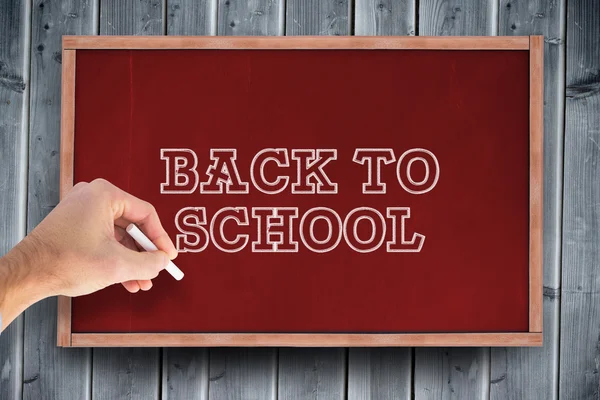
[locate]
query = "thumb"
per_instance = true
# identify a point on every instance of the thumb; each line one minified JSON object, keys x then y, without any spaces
{"x":143,"y":265}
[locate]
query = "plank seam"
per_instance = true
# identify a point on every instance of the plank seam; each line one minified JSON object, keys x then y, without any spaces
{"x":164,"y":17}
{"x":346,"y":366}
{"x":494,"y":17}
{"x":24,"y":192}
{"x":563,"y":32}
{"x":416,"y":19}
{"x":213,"y":10}
{"x":351,"y":17}
{"x":282,"y":17}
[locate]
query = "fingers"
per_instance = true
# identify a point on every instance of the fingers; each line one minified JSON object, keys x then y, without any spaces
{"x":77,"y":187}
{"x":135,"y":286}
{"x":126,"y":240}
{"x":139,"y":266}
{"x":128,"y":208}
{"x":145,"y":284}
{"x":131,"y":286}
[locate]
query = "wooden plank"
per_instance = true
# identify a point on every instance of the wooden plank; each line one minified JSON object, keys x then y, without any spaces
{"x":457,"y":17}
{"x":131,"y":373}
{"x":304,"y":340}
{"x":185,"y":371}
{"x":185,"y":374}
{"x":536,"y":171}
{"x":580,"y":306}
{"x":454,"y":373}
{"x":312,"y":373}
{"x":239,"y":374}
{"x":529,"y":373}
{"x":451,"y":373}
{"x":304,"y":42}
{"x":50,"y":372}
{"x":379,"y":374}
{"x":67,"y":142}
{"x":126,"y":374}
{"x":318,"y":17}
{"x":192,"y":17}
{"x":131,"y":17}
{"x":15,"y":42}
{"x":533,"y":373}
{"x":241,"y":17}
{"x":385,"y":17}
{"x":382,"y":373}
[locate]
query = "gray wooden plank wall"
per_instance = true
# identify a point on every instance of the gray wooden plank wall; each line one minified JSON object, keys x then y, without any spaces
{"x":49,"y":372}
{"x":533,"y":373}
{"x":32,"y":367}
{"x":580,"y":297}
{"x":14,"y":108}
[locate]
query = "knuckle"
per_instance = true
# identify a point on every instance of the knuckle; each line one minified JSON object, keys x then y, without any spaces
{"x":80,"y":185}
{"x":101,"y":184}
{"x":99,"y":181}
{"x":150,"y":206}
{"x":151,"y":209}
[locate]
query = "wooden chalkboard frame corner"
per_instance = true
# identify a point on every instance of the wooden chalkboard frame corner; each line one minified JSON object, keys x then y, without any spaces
{"x":533,"y":44}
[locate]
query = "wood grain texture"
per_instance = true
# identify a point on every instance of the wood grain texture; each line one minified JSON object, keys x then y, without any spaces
{"x":318,"y":17}
{"x":303,"y":42}
{"x":580,"y":306}
{"x":185,"y":374}
{"x":454,"y":373}
{"x":379,"y":374}
{"x":49,"y":371}
{"x":128,"y":373}
{"x":125,"y":374}
{"x":385,"y":17}
{"x":131,"y":17}
{"x":529,"y":373}
{"x":67,"y":149}
{"x":255,"y":17}
{"x":457,"y":17}
{"x":382,"y":373}
{"x":14,"y":106}
{"x":451,"y":373}
{"x":312,"y":373}
{"x":533,"y":373}
{"x":240,"y":374}
{"x":185,"y":370}
{"x":304,"y":340}
{"x":536,"y":183}
{"x":547,"y":18}
{"x":192,"y":17}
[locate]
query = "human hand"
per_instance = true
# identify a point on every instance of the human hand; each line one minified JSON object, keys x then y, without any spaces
{"x":82,"y":246}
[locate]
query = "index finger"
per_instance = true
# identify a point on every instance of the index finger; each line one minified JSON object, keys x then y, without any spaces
{"x":128,"y":208}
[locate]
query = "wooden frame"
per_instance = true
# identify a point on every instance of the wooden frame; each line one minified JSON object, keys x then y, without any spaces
{"x":534,"y":45}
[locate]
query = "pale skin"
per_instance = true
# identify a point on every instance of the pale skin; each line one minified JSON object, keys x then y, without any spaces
{"x":82,"y":247}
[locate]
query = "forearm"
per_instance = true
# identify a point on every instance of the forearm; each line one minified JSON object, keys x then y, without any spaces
{"x":21,"y":284}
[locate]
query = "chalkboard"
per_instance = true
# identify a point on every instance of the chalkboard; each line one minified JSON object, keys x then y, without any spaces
{"x":320,"y":191}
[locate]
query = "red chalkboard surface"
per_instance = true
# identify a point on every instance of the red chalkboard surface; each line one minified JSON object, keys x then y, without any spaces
{"x":335,"y":191}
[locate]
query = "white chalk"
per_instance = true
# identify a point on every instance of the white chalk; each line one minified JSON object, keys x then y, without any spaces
{"x":147,"y":245}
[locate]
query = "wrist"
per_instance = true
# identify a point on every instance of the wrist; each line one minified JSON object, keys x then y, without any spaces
{"x":22,"y":280}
